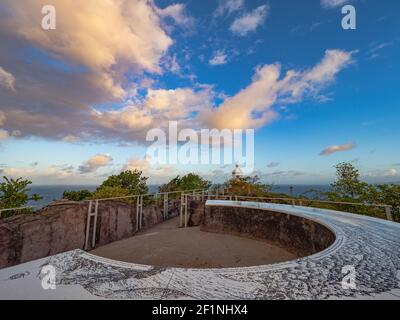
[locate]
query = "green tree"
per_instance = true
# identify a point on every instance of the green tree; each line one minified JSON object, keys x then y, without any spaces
{"x":77,"y":195}
{"x":190,"y":181}
{"x":110,"y":192}
{"x":131,"y":180}
{"x":14,"y":193}
{"x":347,"y":186}
{"x":247,"y":186}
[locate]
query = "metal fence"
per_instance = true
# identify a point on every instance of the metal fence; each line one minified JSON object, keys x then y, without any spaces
{"x":198,"y":194}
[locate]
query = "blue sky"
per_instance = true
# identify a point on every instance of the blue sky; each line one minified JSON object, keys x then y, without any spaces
{"x":76,"y":102}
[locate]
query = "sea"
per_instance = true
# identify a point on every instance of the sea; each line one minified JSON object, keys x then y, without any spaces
{"x":51,"y":193}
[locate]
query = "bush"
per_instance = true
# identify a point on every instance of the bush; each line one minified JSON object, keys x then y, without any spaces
{"x":190,"y":181}
{"x":110,"y":192}
{"x":77,"y":195}
{"x":130,"y":181}
{"x":14,"y":194}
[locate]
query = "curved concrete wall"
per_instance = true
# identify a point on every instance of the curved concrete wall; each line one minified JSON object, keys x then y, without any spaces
{"x":61,"y":227}
{"x":298,"y":235}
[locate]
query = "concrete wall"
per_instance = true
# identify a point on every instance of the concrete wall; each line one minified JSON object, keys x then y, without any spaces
{"x":296,"y":234}
{"x":61,"y":227}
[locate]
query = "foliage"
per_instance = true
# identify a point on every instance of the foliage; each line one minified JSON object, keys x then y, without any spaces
{"x":347,"y":186}
{"x":14,"y":194}
{"x":247,"y":186}
{"x":110,"y":192}
{"x":127,"y":182}
{"x":77,"y":195}
{"x":190,"y":181}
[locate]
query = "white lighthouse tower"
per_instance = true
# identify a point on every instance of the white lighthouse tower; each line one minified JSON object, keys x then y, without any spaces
{"x":237,"y":172}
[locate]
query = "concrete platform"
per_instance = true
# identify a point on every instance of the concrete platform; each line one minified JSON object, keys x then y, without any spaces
{"x":370,"y":246}
{"x":166,"y":245}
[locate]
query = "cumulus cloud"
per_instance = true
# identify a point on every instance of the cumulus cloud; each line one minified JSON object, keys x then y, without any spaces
{"x":338,"y":148}
{"x":95,"y":162}
{"x":219,"y":58}
{"x":250,"y":21}
{"x":157,"y":174}
{"x":7,"y":80}
{"x":107,"y":37}
{"x":391,"y":173}
{"x":328,"y":4}
{"x":252,"y":106}
{"x":155,"y":110}
{"x":228,"y":6}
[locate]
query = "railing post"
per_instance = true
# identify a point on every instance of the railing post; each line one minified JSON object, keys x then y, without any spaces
{"x":186,"y":210}
{"x":139,"y":212}
{"x":88,"y":224}
{"x":181,"y":211}
{"x":96,"y":208}
{"x":388,"y":211}
{"x":165,"y":206}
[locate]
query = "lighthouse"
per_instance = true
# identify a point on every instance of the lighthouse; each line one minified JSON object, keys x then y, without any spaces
{"x":237,"y":172}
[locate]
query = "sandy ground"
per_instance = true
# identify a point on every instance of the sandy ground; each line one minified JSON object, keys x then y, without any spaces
{"x":167,"y":245}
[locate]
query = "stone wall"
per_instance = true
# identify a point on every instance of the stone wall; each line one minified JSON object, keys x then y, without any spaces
{"x":298,"y":235}
{"x":61,"y":227}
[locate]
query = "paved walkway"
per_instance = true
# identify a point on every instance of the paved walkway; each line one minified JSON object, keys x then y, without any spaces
{"x":166,"y":245}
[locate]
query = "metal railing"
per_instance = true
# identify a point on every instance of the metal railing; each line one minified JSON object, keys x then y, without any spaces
{"x":16,"y":209}
{"x":301,"y":202}
{"x":197,"y":194}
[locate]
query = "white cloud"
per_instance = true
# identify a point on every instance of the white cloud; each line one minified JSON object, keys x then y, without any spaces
{"x":252,"y":106}
{"x":4,"y":135}
{"x":158,"y":107}
{"x":95,"y":162}
{"x":249,"y":22}
{"x":157,"y":174}
{"x":228,"y":6}
{"x":176,"y":12}
{"x":338,"y":148}
{"x":70,"y":138}
{"x":391,"y":173}
{"x":219,"y":58}
{"x":7,"y":80}
{"x":107,"y":37}
{"x":327,"y":4}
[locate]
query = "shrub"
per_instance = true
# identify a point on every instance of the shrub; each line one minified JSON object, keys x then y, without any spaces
{"x":77,"y":195}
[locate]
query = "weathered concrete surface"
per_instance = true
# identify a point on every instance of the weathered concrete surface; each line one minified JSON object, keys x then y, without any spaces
{"x":61,"y":227}
{"x":371,"y":245}
{"x":196,"y":213}
{"x":296,"y":234}
{"x":166,"y":245}
{"x":54,"y":229}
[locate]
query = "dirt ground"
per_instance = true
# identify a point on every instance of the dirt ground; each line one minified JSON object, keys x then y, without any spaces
{"x":167,"y":245}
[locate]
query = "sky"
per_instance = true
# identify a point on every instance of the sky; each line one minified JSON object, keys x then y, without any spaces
{"x":77,"y":102}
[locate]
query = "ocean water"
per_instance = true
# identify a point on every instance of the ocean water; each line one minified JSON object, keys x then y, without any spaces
{"x":51,"y":193}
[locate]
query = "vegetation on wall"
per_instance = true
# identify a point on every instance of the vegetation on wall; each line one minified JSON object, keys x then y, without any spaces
{"x":14,"y":193}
